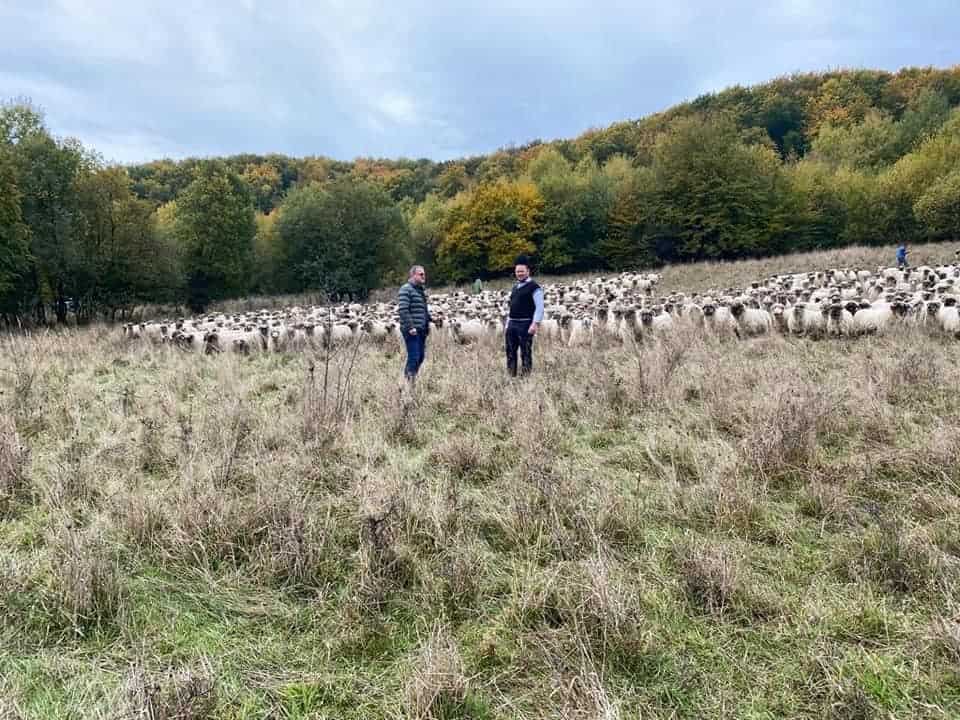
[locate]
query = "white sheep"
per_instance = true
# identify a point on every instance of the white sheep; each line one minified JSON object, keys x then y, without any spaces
{"x":580,"y":332}
{"x":805,"y":319}
{"x":750,"y":321}
{"x":838,"y":320}
{"x":467,"y":332}
{"x":878,"y":318}
{"x":949,"y":319}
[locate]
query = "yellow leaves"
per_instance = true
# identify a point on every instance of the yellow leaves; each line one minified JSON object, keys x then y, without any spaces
{"x":488,"y":229}
{"x":166,"y":216}
{"x":840,"y":102}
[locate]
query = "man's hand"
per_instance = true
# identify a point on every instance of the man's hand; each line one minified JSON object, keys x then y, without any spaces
{"x":413,"y":331}
{"x":533,"y":328}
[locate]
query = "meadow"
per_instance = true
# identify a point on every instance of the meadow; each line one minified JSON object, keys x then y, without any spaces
{"x":692,"y":528}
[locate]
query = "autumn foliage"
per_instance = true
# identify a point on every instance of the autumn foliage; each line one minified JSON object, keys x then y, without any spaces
{"x":805,"y":162}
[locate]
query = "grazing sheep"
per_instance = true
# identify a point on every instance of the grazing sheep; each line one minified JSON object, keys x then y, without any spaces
{"x":838,"y":320}
{"x":580,"y":333}
{"x":805,"y":320}
{"x":949,"y":319}
{"x":550,"y":329}
{"x":779,"y":317}
{"x":750,"y":321}
{"x":879,"y":317}
{"x":717,"y":319}
{"x":339,"y":333}
{"x":466,"y":332}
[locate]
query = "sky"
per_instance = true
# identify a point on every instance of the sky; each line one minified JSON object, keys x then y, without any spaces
{"x":438,"y":79}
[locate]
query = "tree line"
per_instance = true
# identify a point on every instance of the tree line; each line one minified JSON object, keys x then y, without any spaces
{"x":802,"y":162}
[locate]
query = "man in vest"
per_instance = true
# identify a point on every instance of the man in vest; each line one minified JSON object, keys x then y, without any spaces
{"x":414,"y":319}
{"x":526,"y":314}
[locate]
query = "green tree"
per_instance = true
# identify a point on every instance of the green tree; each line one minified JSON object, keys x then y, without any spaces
{"x":14,"y":239}
{"x":938,"y":209}
{"x":47,"y":172}
{"x":267,"y":253}
{"x":426,"y":230}
{"x":718,"y":196}
{"x":867,"y":145}
{"x":345,"y":237}
{"x":452,"y":179}
{"x":214,"y":228}
{"x":264,"y":182}
{"x":576,"y":205}
{"x":632,"y":234}
{"x":904,"y":184}
{"x":123,"y":257}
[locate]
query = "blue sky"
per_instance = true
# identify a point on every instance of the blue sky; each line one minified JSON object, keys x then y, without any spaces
{"x":348,"y":78}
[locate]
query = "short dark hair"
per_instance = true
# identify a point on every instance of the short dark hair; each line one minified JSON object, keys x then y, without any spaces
{"x":522,"y":260}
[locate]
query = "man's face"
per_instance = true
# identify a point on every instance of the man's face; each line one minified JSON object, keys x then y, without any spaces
{"x":522,"y":272}
{"x":419,"y":277}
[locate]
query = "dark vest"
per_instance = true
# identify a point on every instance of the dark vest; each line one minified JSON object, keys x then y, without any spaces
{"x":522,"y":306}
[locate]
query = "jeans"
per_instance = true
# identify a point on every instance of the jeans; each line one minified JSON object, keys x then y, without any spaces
{"x":416,"y":350}
{"x":518,"y":339}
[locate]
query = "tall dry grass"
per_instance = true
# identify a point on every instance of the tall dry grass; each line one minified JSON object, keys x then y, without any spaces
{"x":674,"y":530}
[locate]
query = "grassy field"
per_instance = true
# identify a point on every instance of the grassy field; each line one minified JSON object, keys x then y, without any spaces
{"x":698,"y":529}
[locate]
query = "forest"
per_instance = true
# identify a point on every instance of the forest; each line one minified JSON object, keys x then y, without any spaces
{"x":804,"y":162}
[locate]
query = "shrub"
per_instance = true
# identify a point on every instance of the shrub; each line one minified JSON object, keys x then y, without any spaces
{"x":437,"y":683}
{"x":15,"y":483}
{"x":188,"y":693}
{"x":86,"y":580}
{"x":710,"y":576}
{"x":900,"y":558}
{"x":782,"y":439}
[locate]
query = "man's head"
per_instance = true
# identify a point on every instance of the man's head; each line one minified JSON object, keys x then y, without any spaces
{"x":521,"y":268}
{"x":418,"y":276}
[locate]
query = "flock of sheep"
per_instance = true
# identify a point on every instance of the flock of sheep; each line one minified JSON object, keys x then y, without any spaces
{"x":623,"y":308}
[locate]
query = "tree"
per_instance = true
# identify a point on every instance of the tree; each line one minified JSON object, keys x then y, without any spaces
{"x":867,"y":145}
{"x":266,"y":253}
{"x":47,"y":172}
{"x":718,"y":196}
{"x":452,"y":180}
{"x":263,"y":179}
{"x":123,"y":258}
{"x":19,"y":119}
{"x":214,"y":228}
{"x":841,"y":101}
{"x":938,"y":209}
{"x":345,"y":237}
{"x":577,"y":201}
{"x":903,"y":184}
{"x":488,"y":230}
{"x":632,"y":236}
{"x":14,"y":238}
{"x":426,"y":229}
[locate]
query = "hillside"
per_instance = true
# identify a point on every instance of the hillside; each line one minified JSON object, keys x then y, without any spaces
{"x":789,"y":111}
{"x":806,"y":162}
{"x":693,"y":528}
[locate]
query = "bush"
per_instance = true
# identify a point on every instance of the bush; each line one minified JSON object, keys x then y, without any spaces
{"x":15,"y":483}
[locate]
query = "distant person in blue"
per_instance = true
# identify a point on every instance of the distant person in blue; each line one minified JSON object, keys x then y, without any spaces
{"x":902,"y":256}
{"x":414,"y":319}
{"x":526,"y":314}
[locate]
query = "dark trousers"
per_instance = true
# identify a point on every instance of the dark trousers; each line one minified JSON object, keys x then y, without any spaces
{"x":519,"y":340}
{"x":416,"y":350}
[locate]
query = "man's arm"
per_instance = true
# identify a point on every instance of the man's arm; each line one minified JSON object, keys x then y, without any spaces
{"x":403,"y":309}
{"x":537,"y":311}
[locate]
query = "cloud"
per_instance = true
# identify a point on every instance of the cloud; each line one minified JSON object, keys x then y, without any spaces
{"x":420,"y":79}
